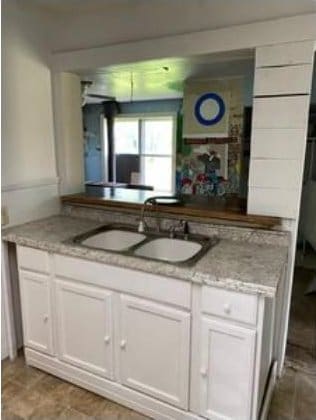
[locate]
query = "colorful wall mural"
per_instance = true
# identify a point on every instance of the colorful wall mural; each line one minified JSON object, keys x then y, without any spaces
{"x":210,"y":164}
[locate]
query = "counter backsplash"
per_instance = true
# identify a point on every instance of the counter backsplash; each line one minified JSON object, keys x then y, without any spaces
{"x":257,"y":236}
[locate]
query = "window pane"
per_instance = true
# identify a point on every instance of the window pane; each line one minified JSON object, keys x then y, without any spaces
{"x":126,"y":137}
{"x":157,"y":139}
{"x":157,"y":172}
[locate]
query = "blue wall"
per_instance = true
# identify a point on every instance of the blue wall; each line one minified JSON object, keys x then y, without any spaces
{"x":92,"y":137}
{"x":143,"y":107}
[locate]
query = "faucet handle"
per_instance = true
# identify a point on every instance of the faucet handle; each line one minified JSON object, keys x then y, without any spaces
{"x":184,"y":225}
{"x":172,"y":231}
{"x":185,"y":228}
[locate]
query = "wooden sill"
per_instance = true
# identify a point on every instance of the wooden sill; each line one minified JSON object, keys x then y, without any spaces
{"x":225,"y":210}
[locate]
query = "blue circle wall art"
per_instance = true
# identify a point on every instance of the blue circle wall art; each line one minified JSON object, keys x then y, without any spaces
{"x":214,"y":105}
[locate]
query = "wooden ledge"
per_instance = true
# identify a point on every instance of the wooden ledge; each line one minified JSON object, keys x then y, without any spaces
{"x":224,"y":210}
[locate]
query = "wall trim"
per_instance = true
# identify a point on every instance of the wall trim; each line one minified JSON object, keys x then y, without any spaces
{"x":37,"y":183}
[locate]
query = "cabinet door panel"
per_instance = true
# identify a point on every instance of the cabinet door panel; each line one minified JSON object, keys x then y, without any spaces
{"x":85,"y":336}
{"x":227,"y":361}
{"x":155,"y":346}
{"x":36,"y":311}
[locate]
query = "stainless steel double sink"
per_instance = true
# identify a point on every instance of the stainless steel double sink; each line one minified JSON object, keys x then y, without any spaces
{"x":126,"y":240}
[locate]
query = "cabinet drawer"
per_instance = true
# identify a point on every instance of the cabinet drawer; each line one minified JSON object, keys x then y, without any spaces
{"x":33,"y":259}
{"x":228,"y":304}
{"x":146,"y":285}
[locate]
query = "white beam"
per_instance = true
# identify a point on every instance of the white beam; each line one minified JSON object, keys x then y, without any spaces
{"x":272,"y":32}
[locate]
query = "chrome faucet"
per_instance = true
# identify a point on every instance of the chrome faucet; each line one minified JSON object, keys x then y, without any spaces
{"x":142,"y":224}
{"x":182,"y":226}
{"x":151,"y":200}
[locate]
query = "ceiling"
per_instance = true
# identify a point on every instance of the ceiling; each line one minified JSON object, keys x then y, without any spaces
{"x":252,"y":9}
{"x":80,"y":6}
{"x":164,"y":78}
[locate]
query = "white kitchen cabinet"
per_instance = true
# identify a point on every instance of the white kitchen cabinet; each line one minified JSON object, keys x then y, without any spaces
{"x":36,"y":311}
{"x":227,"y":370}
{"x":145,"y":340}
{"x":155,"y":346}
{"x":85,"y":327}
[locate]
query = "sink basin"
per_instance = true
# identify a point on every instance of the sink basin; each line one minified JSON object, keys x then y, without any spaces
{"x":114,"y":240}
{"x":171,"y":250}
{"x":125,"y":240}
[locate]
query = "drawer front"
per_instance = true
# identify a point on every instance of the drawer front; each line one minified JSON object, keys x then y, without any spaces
{"x":33,"y":259}
{"x":228,"y":304}
{"x":151,"y":286}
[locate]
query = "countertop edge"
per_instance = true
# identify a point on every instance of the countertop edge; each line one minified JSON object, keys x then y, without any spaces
{"x":192,"y":275}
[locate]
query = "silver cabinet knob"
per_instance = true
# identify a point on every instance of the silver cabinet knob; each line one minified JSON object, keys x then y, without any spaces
{"x":123,"y":344}
{"x":203,"y":372}
{"x":107,"y":339}
{"x":45,"y":318}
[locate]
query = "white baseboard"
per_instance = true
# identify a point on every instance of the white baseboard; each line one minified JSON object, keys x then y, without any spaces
{"x":112,"y":390}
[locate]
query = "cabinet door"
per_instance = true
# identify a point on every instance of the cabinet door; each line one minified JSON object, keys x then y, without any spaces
{"x":227,"y":364}
{"x":154,"y":349}
{"x":36,"y":311}
{"x":84,"y":327}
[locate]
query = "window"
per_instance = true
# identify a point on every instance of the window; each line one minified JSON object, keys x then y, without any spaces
{"x":150,"y":143}
{"x":126,"y":137}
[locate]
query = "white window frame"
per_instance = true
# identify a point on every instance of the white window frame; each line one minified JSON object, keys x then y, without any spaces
{"x":151,"y":116}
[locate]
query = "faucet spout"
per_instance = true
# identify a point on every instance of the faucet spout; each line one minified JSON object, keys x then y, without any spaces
{"x":151,"y":200}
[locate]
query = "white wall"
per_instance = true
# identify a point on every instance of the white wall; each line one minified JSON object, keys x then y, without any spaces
{"x":69,"y":132}
{"x":282,"y":92}
{"x":28,"y":151}
{"x":283,"y":79}
{"x":29,"y":179}
{"x":99,"y":23}
{"x":293,"y":29}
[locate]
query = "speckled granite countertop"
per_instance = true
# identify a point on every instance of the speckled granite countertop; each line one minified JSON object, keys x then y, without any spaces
{"x":231,"y":264}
